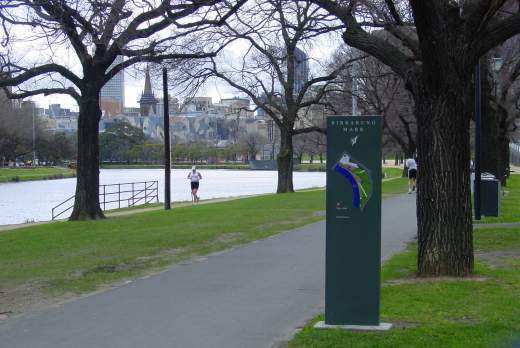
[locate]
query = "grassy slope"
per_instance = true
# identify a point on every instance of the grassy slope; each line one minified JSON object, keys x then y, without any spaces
{"x":509,"y":210}
{"x":481,"y":312}
{"x":39,"y":173}
{"x":394,"y":187}
{"x":392,"y":172}
{"x":79,"y":256}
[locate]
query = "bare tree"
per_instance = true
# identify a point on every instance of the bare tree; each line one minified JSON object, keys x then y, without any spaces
{"x":501,"y":89}
{"x":443,"y":40}
{"x":252,"y":144}
{"x":274,"y":69}
{"x":94,"y":33}
{"x":378,"y":91}
{"x":15,"y":132}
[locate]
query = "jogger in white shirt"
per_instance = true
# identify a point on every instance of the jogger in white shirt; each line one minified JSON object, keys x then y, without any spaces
{"x":194,"y":178}
{"x":412,"y":174}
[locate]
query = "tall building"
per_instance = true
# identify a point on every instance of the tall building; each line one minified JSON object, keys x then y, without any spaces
{"x":112,"y":96}
{"x":148,"y":102}
{"x":301,"y":70}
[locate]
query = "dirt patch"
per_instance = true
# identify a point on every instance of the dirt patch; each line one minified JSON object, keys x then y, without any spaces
{"x":421,"y":280}
{"x":227,"y":238}
{"x":464,"y":320}
{"x":30,"y":296}
{"x":403,"y":325}
{"x":498,"y":258}
{"x":138,"y":264}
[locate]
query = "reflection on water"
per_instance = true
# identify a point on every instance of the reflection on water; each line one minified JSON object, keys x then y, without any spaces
{"x":33,"y":200}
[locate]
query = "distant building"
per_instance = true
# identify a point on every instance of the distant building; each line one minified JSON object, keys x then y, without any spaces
{"x":56,"y":111}
{"x":301,"y":70}
{"x":112,"y":96}
{"x":197,"y":104}
{"x":131,"y":111}
{"x":148,"y":102}
{"x":173,"y":104}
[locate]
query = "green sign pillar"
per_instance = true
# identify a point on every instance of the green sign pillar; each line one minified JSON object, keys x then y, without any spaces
{"x":353,"y":237}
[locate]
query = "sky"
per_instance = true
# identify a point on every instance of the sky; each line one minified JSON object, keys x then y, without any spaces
{"x":134,"y":85}
{"x":134,"y":81}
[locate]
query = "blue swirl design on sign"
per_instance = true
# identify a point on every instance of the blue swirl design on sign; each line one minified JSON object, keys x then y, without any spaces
{"x":359,"y":178}
{"x":355,"y":187}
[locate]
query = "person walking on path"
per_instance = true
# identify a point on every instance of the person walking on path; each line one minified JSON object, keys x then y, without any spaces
{"x":412,"y":174}
{"x":194,"y":176}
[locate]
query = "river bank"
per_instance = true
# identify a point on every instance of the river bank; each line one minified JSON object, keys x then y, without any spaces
{"x":33,"y":201}
{"x":35,"y":173}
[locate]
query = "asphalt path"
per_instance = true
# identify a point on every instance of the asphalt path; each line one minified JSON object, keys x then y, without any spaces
{"x":255,"y":295}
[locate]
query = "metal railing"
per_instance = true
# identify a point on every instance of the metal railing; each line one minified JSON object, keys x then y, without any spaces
{"x":127,"y":194}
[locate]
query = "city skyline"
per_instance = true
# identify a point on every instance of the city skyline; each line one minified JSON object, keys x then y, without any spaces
{"x":133,"y":87}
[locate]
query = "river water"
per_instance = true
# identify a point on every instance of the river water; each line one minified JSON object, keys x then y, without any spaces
{"x":33,"y":200}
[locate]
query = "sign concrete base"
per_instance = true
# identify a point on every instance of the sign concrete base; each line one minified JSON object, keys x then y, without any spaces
{"x":380,"y":327}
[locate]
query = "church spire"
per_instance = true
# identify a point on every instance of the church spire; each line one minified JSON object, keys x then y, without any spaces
{"x":147,"y":82}
{"x":148,"y":102}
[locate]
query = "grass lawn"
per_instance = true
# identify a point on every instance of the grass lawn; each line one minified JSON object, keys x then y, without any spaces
{"x":481,"y":311}
{"x":395,"y":186}
{"x":392,"y":172}
{"x":75,"y":257}
{"x":509,"y":209}
{"x":78,"y":256}
{"x":38,"y":173}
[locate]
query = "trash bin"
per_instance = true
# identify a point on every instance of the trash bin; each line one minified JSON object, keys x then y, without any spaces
{"x":489,"y":195}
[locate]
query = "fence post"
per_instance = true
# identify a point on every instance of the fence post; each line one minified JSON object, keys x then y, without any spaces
{"x":119,"y":195}
{"x":145,"y":192}
{"x":133,"y":198}
{"x":104,"y":198}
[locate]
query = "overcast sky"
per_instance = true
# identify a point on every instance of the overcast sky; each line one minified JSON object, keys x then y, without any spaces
{"x":134,"y":84}
{"x":134,"y":81}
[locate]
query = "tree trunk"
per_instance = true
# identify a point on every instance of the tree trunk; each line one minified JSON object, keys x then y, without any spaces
{"x":86,"y":204}
{"x":445,"y":239}
{"x":285,"y":162}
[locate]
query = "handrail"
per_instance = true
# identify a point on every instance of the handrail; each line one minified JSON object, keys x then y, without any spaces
{"x":146,"y":190}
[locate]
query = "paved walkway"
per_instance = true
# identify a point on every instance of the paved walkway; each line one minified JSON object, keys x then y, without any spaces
{"x":255,"y":295}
